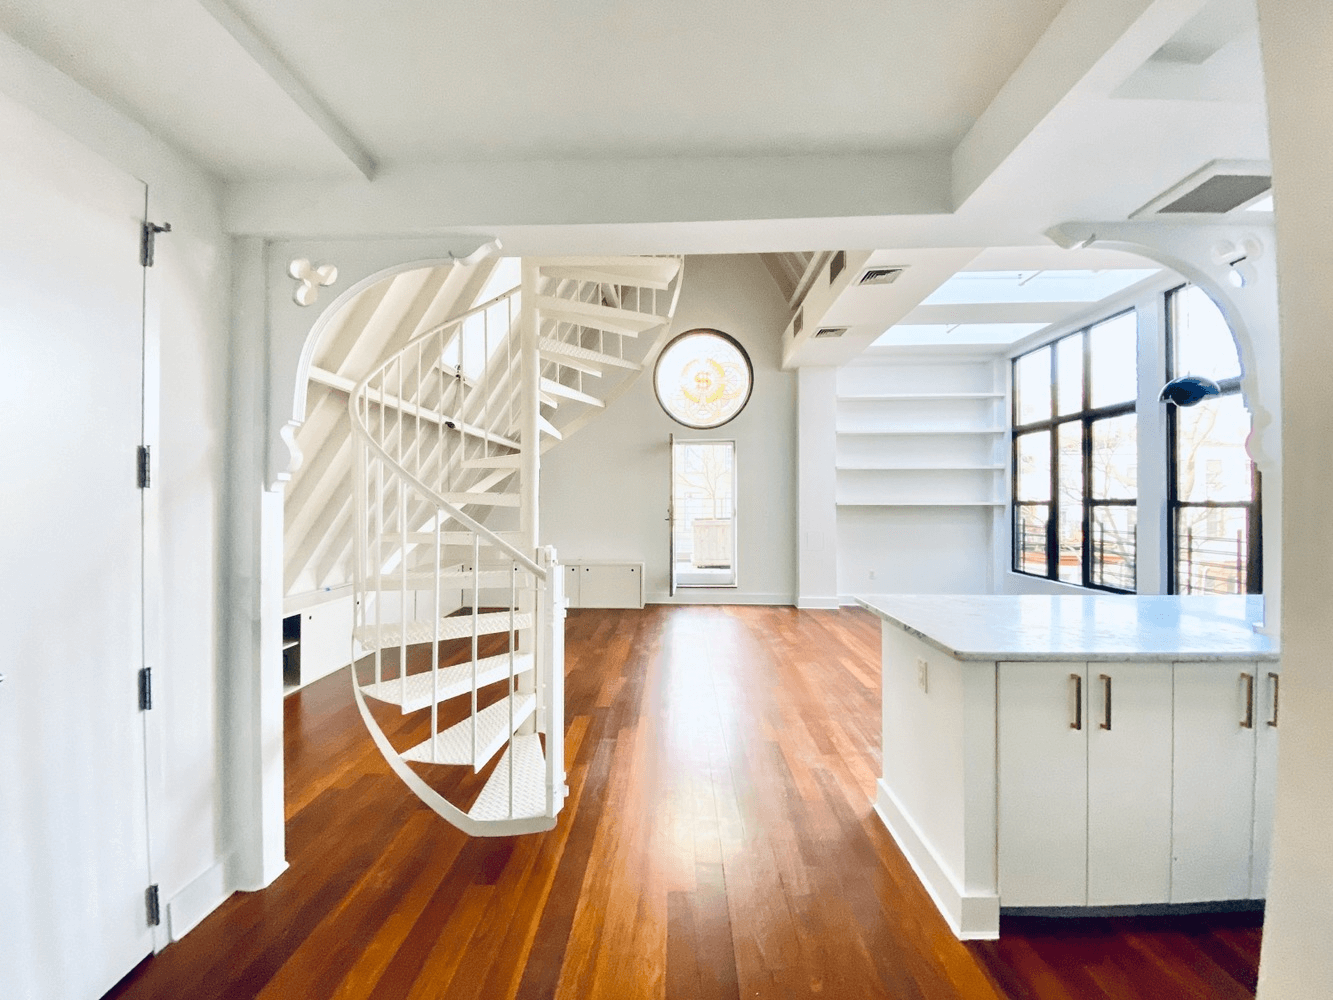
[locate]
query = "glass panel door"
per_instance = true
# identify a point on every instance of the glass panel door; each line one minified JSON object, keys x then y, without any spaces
{"x":703,"y":513}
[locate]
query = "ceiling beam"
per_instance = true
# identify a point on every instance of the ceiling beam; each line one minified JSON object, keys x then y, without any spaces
{"x":306,"y":99}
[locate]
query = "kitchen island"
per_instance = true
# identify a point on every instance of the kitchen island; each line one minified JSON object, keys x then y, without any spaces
{"x":1077,"y":754}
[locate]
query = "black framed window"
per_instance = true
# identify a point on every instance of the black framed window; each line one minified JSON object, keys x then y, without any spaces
{"x":1075,"y":457}
{"x":1212,"y":486}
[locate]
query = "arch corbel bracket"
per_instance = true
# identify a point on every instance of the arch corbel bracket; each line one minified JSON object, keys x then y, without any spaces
{"x":309,"y":280}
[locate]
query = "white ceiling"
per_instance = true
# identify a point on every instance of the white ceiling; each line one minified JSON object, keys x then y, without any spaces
{"x":169,"y":65}
{"x":938,"y":127}
{"x":420,"y":80}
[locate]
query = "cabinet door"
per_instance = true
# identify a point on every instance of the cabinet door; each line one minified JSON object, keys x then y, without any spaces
{"x":573,"y":574}
{"x":1265,"y":773}
{"x":1213,"y":780}
{"x":326,"y":631}
{"x":1129,"y":783}
{"x":611,"y":586}
{"x":1043,"y":784}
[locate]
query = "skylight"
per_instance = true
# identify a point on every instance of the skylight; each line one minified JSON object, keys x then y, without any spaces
{"x":905,"y":334}
{"x":1000,"y":287}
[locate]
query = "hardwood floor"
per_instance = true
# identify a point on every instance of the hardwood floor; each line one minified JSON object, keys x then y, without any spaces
{"x":718,"y":842}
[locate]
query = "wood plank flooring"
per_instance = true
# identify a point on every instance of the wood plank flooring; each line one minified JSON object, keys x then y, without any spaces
{"x":718,"y":842}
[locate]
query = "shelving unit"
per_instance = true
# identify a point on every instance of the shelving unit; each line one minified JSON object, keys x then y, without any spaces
{"x":316,"y":636}
{"x":921,"y":435}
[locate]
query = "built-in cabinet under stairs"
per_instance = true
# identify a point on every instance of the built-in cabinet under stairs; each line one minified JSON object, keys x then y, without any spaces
{"x":459,"y":611}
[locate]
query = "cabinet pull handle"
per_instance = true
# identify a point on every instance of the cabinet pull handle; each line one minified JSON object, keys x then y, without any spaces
{"x":1106,"y":694}
{"x":1078,"y":701}
{"x":1274,"y":679}
{"x":1248,"y":721}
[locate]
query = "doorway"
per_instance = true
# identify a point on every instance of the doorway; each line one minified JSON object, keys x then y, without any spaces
{"x":703,"y":514}
{"x":74,"y":864}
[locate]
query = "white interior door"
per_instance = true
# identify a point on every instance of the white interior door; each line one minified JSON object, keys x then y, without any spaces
{"x":73,"y":832}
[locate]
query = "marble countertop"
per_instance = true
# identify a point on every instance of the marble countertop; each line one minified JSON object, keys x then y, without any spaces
{"x":1092,"y":628}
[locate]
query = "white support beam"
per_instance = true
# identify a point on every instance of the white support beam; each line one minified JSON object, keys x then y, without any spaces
{"x":306,"y":99}
{"x":1087,"y":40}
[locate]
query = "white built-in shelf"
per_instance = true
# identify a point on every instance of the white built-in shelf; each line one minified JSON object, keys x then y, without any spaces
{"x":290,"y":643}
{"x":958,"y":467}
{"x":904,"y":431}
{"x":921,"y":436}
{"x":942,"y":502}
{"x":868,"y":396}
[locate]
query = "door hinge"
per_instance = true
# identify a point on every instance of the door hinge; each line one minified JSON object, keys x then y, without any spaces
{"x":148,"y":241}
{"x":145,"y":466}
{"x":145,"y":689}
{"x":153,"y":900}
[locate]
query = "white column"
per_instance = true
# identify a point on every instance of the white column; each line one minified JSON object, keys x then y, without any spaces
{"x":1297,"y":43}
{"x":252,"y":769}
{"x":817,"y":510}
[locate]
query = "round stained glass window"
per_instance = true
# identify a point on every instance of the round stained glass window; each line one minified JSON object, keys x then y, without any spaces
{"x":703,"y":378}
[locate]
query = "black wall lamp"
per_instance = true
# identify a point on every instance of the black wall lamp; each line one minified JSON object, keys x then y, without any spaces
{"x":1188,"y":390}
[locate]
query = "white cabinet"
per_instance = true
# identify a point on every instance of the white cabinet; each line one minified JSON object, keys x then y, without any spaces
{"x":1218,"y":714}
{"x":1129,"y":783}
{"x":604,"y":584}
{"x":317,"y":640}
{"x":1043,"y":784}
{"x":1265,"y":774}
{"x":573,"y":574}
{"x":1084,"y":795}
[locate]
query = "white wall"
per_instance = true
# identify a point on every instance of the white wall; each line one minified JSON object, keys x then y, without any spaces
{"x":185,"y":572}
{"x":604,"y":492}
{"x":914,"y":550}
{"x":1297,"y":41}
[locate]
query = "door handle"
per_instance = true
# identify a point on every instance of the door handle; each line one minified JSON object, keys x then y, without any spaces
{"x":1271,"y":676}
{"x":1078,"y":701}
{"x":1106,"y":695}
{"x":1248,"y":721}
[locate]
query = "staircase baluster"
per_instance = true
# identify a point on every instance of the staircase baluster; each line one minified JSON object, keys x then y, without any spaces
{"x":402,"y":574}
{"x":513,"y":602}
{"x":476,"y":600}
{"x":379,"y":565}
{"x":435,"y":645}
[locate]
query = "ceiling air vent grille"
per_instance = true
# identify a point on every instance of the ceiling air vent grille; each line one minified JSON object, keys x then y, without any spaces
{"x":1219,"y":188}
{"x":1219,"y":193}
{"x":829,"y":332}
{"x":881,"y":276}
{"x":837,"y":265}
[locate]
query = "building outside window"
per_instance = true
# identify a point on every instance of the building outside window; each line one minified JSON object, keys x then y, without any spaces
{"x":1213,"y":487}
{"x":1075,"y":457}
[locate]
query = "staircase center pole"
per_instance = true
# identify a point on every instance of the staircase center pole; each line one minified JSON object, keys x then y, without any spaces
{"x":530,"y":445}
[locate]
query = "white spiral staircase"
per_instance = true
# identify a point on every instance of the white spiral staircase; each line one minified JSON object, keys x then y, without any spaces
{"x":449,"y":578}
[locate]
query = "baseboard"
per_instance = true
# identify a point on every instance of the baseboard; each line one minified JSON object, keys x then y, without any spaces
{"x":829,"y":603}
{"x":848,"y":601}
{"x":197,"y":900}
{"x":701,"y":595}
{"x":971,"y":916}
